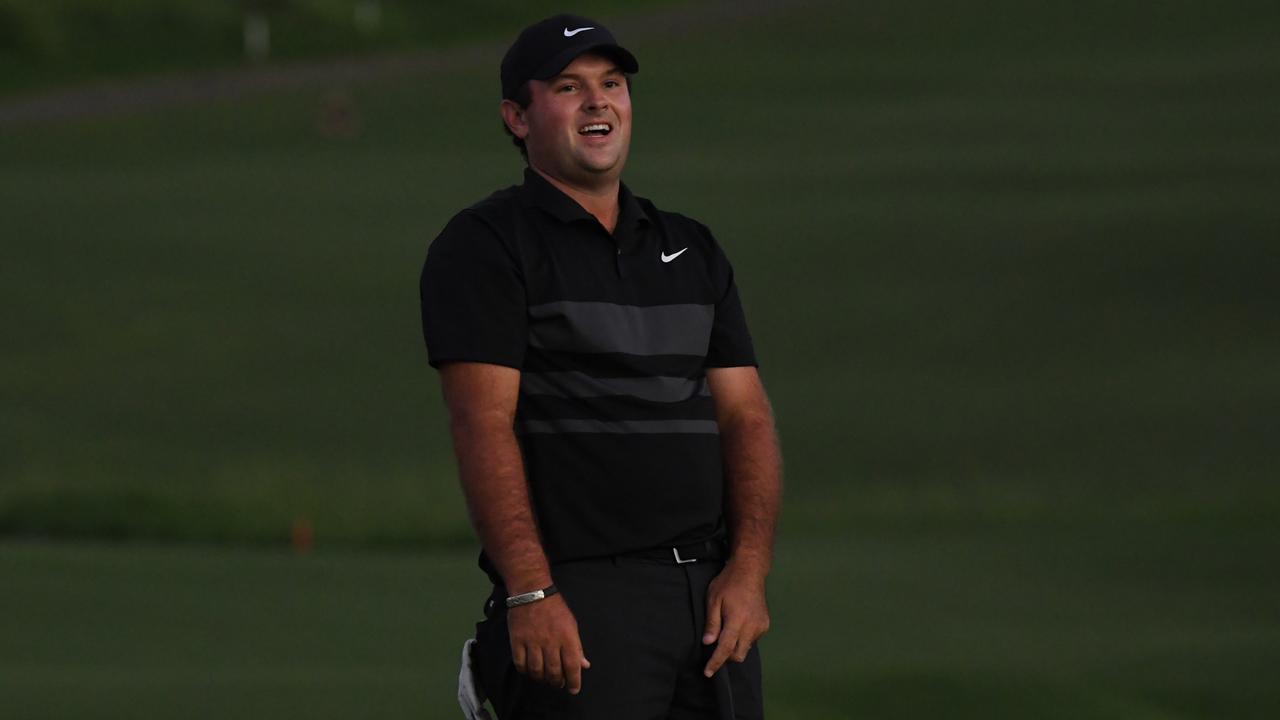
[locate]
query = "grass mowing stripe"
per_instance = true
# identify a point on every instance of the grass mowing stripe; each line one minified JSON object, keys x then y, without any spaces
{"x":1093,"y":620}
{"x":971,"y":257}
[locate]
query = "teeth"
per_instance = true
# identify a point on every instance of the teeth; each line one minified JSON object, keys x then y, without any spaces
{"x":597,"y":126}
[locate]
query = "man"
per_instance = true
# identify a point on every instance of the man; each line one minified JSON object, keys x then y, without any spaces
{"x":614,"y":441}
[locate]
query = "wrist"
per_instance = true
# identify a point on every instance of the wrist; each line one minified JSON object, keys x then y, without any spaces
{"x":530,"y":582}
{"x":752,"y":567}
{"x":533,"y":596}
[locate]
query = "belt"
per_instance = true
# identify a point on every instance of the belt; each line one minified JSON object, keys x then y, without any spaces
{"x":682,"y":554}
{"x":707,"y":550}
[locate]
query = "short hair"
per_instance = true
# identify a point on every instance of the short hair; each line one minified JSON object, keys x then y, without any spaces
{"x":524,"y":98}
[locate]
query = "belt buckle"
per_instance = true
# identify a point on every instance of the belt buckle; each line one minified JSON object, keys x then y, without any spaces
{"x":680,"y":560}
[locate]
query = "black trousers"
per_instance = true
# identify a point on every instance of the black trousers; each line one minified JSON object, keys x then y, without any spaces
{"x":641,"y":624}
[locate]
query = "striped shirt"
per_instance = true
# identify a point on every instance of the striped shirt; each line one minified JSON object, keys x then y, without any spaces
{"x":612,"y":334}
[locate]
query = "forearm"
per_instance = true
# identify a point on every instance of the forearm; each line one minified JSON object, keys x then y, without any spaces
{"x":497,"y":494}
{"x":737,"y":612}
{"x":753,"y":468}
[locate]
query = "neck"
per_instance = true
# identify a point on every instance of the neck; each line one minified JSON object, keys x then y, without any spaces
{"x":599,"y":200}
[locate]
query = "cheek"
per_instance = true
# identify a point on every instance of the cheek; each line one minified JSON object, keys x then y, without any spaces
{"x":562,"y":124}
{"x":559,"y":110}
{"x":549,"y":120}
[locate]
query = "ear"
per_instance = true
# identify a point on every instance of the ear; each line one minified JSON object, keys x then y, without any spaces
{"x":513,"y":116}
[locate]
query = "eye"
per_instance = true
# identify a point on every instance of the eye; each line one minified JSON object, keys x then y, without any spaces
{"x":566,"y":87}
{"x":611,"y":83}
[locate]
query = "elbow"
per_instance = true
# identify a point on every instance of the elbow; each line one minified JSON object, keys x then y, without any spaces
{"x":474,"y":421}
{"x":752,"y":423}
{"x":753,"y":416}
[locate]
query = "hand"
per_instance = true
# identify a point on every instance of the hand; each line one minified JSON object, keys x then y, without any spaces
{"x":545,"y":643}
{"x":737,"y":615}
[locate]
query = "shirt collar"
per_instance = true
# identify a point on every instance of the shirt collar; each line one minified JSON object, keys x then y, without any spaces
{"x":537,"y":191}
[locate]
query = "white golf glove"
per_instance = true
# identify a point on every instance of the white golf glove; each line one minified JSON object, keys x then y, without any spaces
{"x":469,"y":695}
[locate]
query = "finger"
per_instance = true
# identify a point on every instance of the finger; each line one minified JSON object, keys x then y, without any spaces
{"x":712,"y":630}
{"x":728,"y":641}
{"x":552,"y":673}
{"x":534,"y":662}
{"x":573,"y":665}
{"x":518,"y":657}
{"x":740,"y":651}
{"x":717,"y":659}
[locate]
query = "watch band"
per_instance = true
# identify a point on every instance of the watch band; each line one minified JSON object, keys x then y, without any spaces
{"x":531,"y":597}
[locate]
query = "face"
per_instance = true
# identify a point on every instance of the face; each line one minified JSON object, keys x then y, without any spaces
{"x":591,"y":92}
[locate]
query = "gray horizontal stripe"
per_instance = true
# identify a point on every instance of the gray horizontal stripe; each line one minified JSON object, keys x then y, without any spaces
{"x":704,"y":427}
{"x":573,"y":384}
{"x":601,"y":327}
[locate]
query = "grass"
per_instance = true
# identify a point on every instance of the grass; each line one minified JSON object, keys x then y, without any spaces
{"x":50,"y":42}
{"x":1011,"y":274}
{"x":978,"y":268}
{"x":1015,"y":621}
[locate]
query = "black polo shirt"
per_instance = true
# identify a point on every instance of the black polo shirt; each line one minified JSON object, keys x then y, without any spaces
{"x":613,"y":335}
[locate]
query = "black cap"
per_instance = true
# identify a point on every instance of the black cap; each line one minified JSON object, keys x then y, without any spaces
{"x":545,"y":48}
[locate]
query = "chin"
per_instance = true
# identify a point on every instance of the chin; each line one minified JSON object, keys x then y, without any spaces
{"x":596,"y":166}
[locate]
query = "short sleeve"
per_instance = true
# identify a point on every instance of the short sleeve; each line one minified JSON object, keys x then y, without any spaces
{"x":731,"y":344}
{"x":473,"y":297}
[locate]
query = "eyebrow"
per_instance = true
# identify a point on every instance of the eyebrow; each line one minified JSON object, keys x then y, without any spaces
{"x":614,"y":70}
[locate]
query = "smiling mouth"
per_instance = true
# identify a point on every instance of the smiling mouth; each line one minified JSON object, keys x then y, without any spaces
{"x":596,"y":129}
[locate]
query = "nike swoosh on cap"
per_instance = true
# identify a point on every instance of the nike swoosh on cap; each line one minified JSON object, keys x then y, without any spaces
{"x":571,"y":33}
{"x":673,"y":256}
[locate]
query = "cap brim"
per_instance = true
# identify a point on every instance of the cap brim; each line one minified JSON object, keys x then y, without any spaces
{"x":626,"y":61}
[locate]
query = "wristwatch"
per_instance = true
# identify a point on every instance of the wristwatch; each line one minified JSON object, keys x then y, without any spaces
{"x":531,"y":597}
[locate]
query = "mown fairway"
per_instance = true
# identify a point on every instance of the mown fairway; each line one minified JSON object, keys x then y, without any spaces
{"x":1012,"y":275}
{"x":978,"y":622}
{"x":1024,"y":270}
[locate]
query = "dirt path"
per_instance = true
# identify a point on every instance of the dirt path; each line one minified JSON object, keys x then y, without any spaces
{"x":183,"y":90}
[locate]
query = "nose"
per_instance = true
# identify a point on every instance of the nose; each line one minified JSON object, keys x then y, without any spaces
{"x":597,"y":99}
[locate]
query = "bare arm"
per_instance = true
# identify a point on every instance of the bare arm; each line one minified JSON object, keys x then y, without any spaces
{"x":753,"y":464}
{"x":737,"y":613}
{"x":482,"y":404}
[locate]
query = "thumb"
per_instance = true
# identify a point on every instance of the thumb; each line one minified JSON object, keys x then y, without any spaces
{"x":713,"y":621}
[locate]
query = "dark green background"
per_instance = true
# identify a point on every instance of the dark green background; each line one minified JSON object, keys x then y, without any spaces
{"x":1011,"y":271}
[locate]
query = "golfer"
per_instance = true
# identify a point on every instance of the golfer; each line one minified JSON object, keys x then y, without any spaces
{"x":615,"y":444}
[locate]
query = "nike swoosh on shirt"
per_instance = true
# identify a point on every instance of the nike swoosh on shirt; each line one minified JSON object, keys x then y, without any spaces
{"x":673,"y":256}
{"x":571,"y":33}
